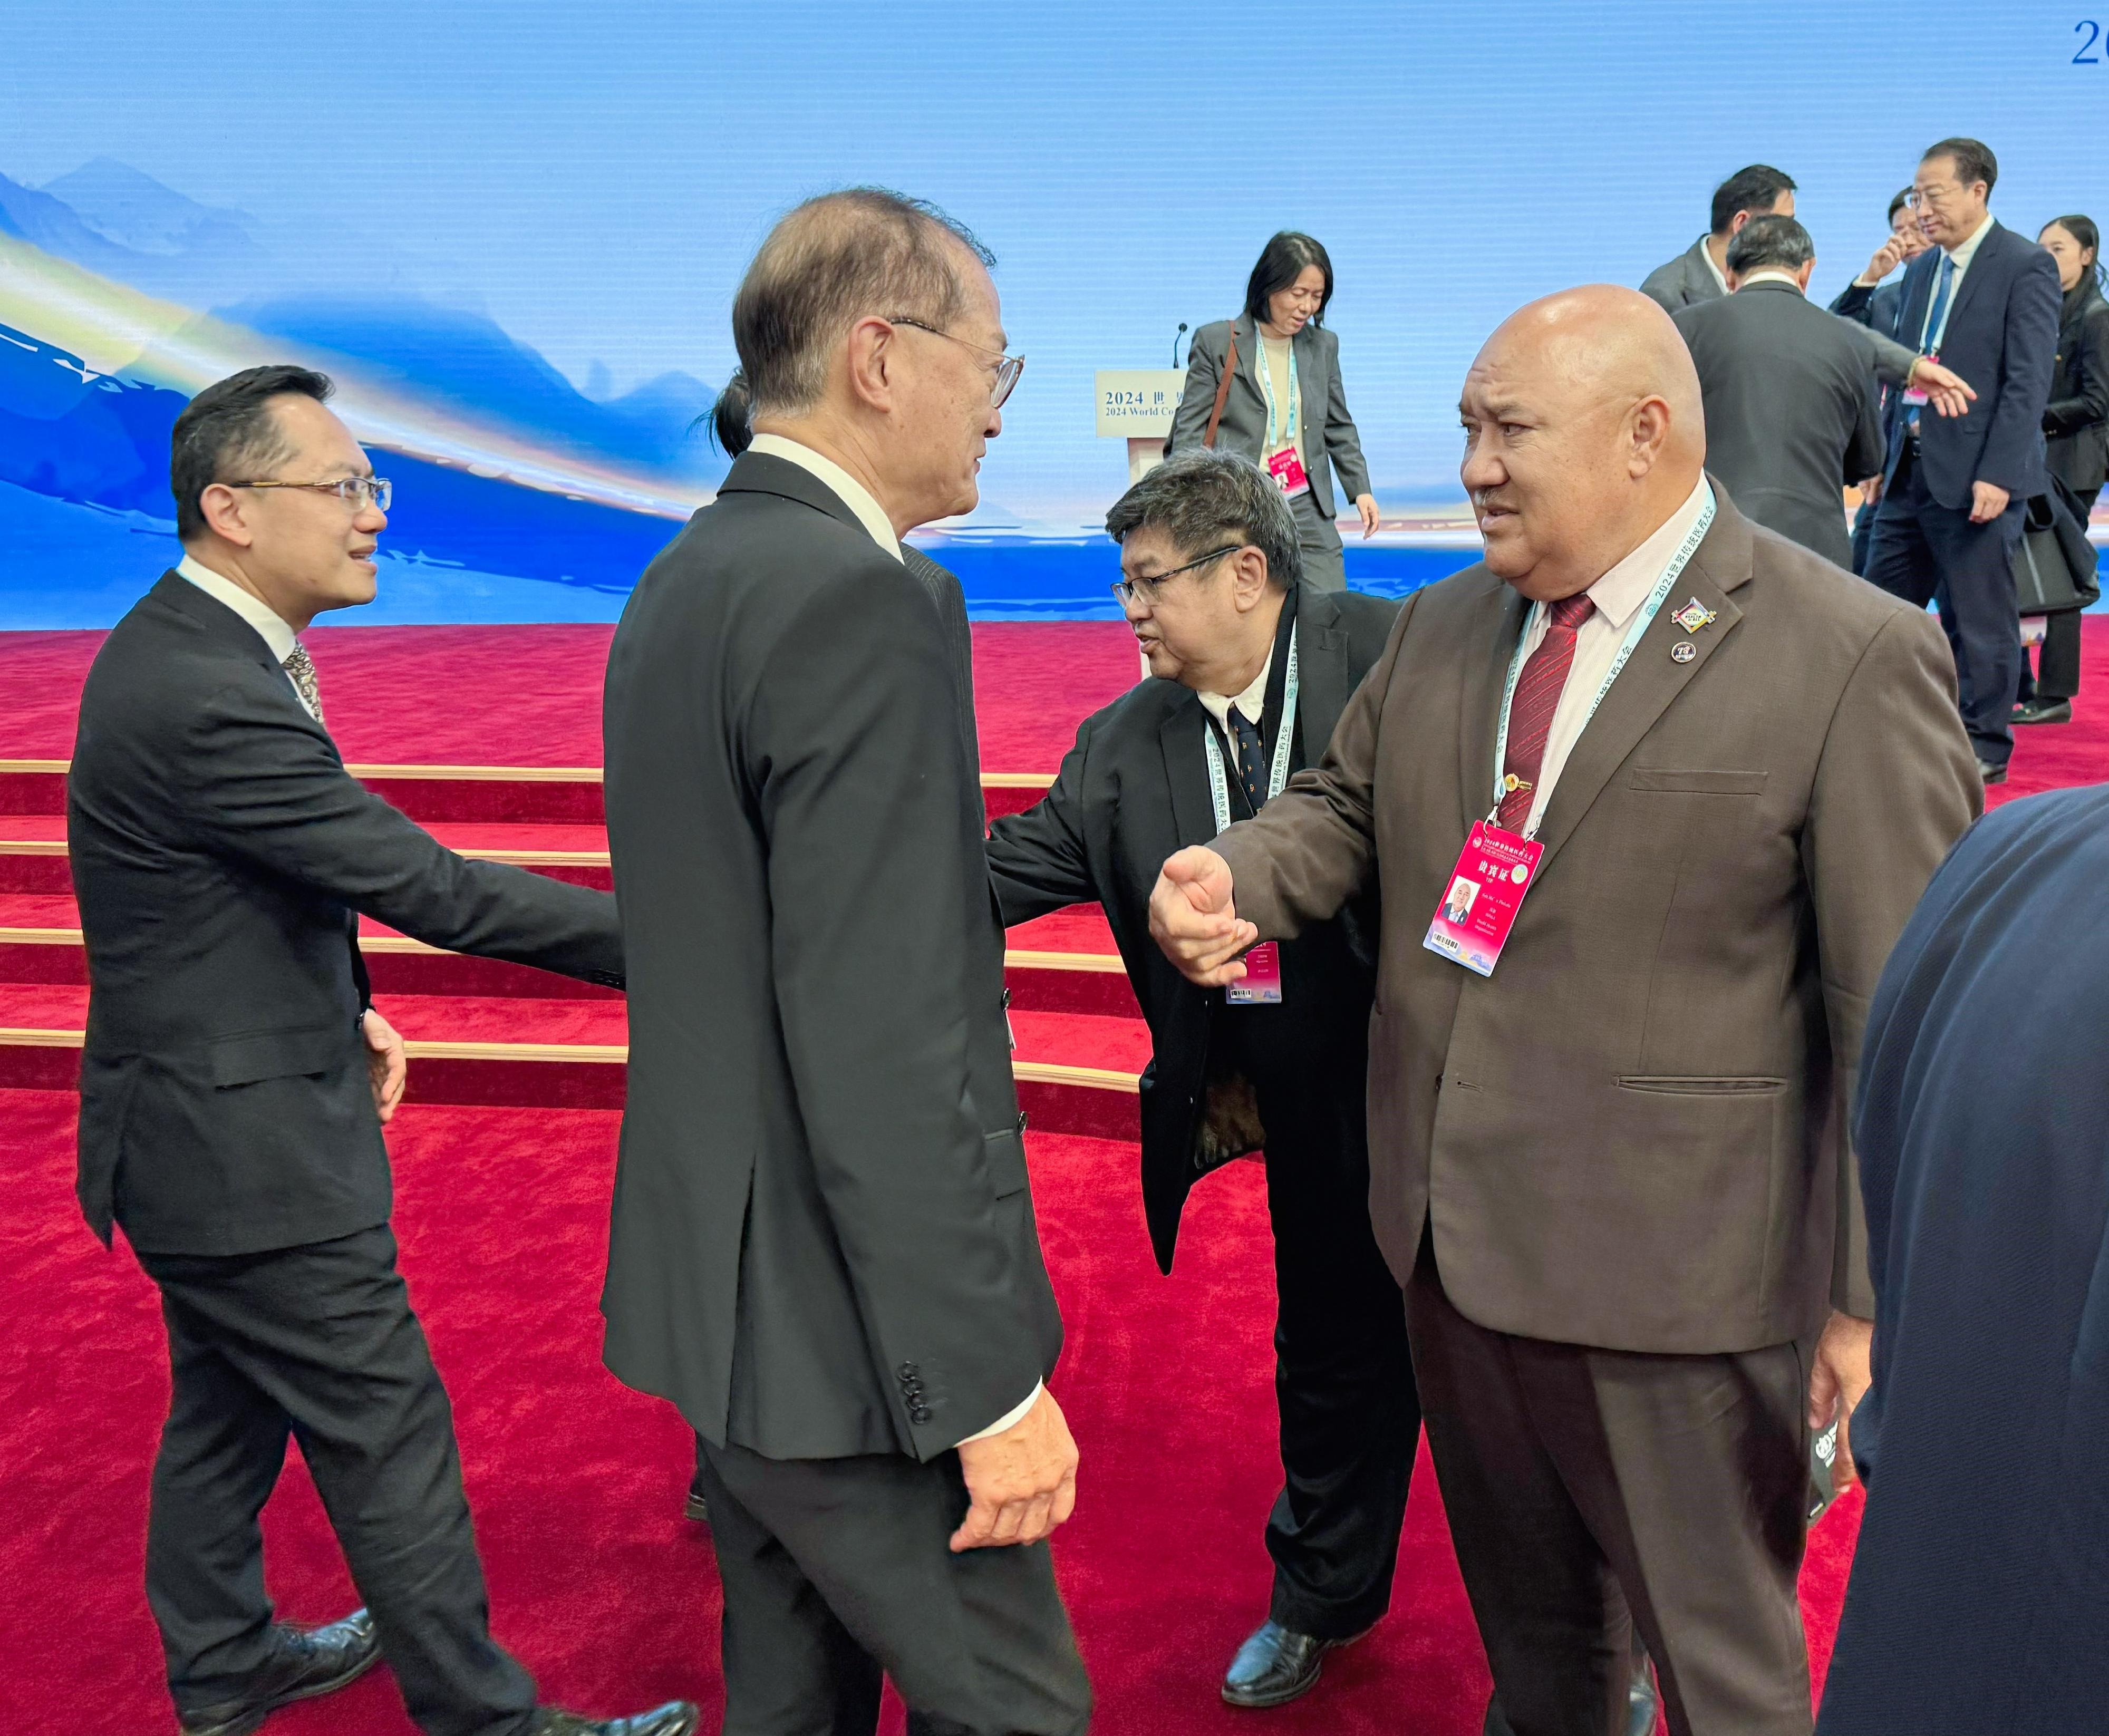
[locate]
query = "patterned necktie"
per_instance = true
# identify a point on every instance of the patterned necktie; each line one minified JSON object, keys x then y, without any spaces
{"x":1252,"y":757}
{"x":301,"y":668}
{"x":1931,"y":337}
{"x":1530,"y":712}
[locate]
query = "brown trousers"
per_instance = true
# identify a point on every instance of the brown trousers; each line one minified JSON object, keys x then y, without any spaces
{"x":1591,"y":1492}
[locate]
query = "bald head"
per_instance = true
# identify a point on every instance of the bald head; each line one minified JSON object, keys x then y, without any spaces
{"x":1585,"y":432}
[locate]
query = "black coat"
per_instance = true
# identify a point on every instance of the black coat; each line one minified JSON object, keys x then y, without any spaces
{"x":823,"y":1242}
{"x":1979,"y":1596}
{"x":1133,"y":790}
{"x":220,"y":853}
{"x":2076,"y":420}
{"x":1792,"y":412}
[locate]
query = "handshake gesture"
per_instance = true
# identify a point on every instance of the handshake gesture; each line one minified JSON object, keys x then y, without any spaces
{"x":1192,"y":917}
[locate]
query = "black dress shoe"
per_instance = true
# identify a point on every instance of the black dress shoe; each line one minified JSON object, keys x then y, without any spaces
{"x":305,"y":1663}
{"x":1991,"y":773}
{"x":676,"y":1718}
{"x":1276,"y":1664}
{"x":2044,"y":711}
{"x":1640,"y":1705}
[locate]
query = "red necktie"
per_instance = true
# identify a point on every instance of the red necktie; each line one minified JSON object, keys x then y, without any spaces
{"x":1530,"y":712}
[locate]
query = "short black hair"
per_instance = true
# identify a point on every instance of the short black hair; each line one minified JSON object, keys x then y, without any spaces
{"x":1200,"y":500}
{"x":1897,"y":203}
{"x":1281,"y":262}
{"x":228,"y":427}
{"x":1973,"y":158}
{"x":1780,"y":241}
{"x":1756,"y":189}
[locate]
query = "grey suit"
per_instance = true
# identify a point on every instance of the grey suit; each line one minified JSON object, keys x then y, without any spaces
{"x":1686,"y":280}
{"x":1330,"y":443}
{"x":1792,"y":413}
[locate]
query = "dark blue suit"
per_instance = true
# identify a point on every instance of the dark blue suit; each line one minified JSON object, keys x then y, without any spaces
{"x":2001,"y":336}
{"x":1877,"y":310}
{"x":1979,"y":1595}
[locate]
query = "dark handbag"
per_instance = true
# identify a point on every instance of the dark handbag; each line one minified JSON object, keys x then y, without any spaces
{"x":2054,"y":563}
{"x":1223,"y":388}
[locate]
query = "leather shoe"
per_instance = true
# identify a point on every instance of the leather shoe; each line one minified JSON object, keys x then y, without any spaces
{"x":676,"y":1718}
{"x":1991,"y":773}
{"x":1640,"y":1705}
{"x":304,"y":1663}
{"x":2044,"y":711}
{"x":1276,"y":1664}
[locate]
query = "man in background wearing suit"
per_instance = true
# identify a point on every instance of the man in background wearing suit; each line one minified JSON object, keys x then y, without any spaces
{"x":1985,"y":301}
{"x":1251,"y":673}
{"x":1609,"y":1172}
{"x":1878,"y":312}
{"x":824,"y":1248}
{"x":1790,"y":390}
{"x":236,"y":1078}
{"x":1700,"y":273}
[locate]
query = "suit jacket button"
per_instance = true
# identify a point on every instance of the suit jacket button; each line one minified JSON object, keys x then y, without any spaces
{"x":904,"y":1373}
{"x":920,"y":1415}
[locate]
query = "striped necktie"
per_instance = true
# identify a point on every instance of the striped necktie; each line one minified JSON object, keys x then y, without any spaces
{"x":1530,"y":712}
{"x":301,"y":668}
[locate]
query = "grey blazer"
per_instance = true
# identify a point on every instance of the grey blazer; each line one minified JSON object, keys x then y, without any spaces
{"x":1686,"y":279}
{"x":1330,"y":443}
{"x":1792,"y":413}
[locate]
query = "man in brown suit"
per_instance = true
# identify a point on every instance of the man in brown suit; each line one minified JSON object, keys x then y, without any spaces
{"x":1610,"y":1173}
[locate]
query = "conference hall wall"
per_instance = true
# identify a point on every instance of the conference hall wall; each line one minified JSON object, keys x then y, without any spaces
{"x":511,"y":232}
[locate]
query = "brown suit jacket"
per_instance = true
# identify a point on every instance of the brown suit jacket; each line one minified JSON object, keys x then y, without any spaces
{"x":1629,"y":1136}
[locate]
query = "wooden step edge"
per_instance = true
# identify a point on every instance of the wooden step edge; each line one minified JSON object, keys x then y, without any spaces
{"x":19,"y":1036}
{"x":509,"y":773}
{"x":1097,"y":963}
{"x":512,"y":858}
{"x":597,"y":1054}
{"x":1060,"y":1073}
{"x":32,"y":847}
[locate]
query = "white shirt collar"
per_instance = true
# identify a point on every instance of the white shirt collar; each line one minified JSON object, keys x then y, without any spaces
{"x":1772,"y":274}
{"x":1251,"y":702}
{"x":271,"y":627}
{"x":1706,"y":253}
{"x":838,"y":482}
{"x":1621,"y":591}
{"x":1963,"y":252}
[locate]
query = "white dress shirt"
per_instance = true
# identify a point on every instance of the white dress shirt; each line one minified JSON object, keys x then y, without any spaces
{"x":1720,"y":278}
{"x":270,"y":627}
{"x":1619,"y":596}
{"x":839,"y":482}
{"x":857,"y":497}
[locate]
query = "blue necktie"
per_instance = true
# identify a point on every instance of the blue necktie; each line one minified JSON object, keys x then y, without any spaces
{"x":1252,"y":758}
{"x":1933,"y":318}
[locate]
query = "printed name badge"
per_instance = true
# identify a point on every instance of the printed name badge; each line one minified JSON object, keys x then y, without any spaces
{"x":1261,"y":985}
{"x":1485,"y":892}
{"x":1288,"y":472}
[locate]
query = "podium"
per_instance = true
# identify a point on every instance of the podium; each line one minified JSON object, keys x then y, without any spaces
{"x":1135,"y":405}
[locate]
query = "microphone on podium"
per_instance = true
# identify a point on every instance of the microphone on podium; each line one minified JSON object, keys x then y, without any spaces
{"x":1175,"y":336}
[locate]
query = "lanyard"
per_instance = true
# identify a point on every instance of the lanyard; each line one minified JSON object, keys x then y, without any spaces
{"x":1647,"y":613}
{"x":1266,"y":391}
{"x":1219,"y":788}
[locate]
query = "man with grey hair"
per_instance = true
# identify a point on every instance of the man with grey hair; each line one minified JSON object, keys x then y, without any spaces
{"x":824,"y":1248}
{"x":1252,"y":671}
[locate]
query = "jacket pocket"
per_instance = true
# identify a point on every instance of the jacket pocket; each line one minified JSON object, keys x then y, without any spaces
{"x":1678,"y":1084}
{"x":258,"y":1055}
{"x":1673,"y":781}
{"x":1004,"y":1153}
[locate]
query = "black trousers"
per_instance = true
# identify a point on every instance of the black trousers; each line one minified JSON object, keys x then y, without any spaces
{"x":1350,"y":1416}
{"x":836,"y":1576}
{"x":1925,"y":552}
{"x":1591,"y":1492}
{"x":2056,"y":675}
{"x":317,"y":1343}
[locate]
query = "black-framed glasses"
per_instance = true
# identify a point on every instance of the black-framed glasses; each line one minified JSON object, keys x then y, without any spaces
{"x":354,"y":491}
{"x":1007,"y":367}
{"x":1128,"y":589}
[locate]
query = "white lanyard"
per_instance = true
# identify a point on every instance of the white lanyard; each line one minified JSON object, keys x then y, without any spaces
{"x":1266,"y":390}
{"x":1647,"y":613}
{"x":1219,"y":787}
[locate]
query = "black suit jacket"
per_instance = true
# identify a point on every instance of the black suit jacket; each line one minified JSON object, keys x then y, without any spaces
{"x":2076,"y":419}
{"x":941,"y":585}
{"x":219,"y":854}
{"x":1134,"y":789}
{"x":2002,"y":338}
{"x":1792,"y":413}
{"x":824,"y":1242}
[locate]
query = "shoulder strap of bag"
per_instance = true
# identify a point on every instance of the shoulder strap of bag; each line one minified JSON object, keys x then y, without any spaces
{"x":1223,"y":387}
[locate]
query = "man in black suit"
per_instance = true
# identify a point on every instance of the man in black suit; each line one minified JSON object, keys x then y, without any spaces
{"x":1878,"y":312}
{"x":824,"y":1248}
{"x":1211,"y":558}
{"x":1700,"y":273}
{"x":1792,"y":413}
{"x":1985,"y":302}
{"x":235,"y":1080}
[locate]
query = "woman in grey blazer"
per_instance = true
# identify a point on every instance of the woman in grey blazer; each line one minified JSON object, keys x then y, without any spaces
{"x":1285,"y":409}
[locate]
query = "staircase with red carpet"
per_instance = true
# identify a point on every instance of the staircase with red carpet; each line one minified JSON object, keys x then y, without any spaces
{"x":504,"y":1156}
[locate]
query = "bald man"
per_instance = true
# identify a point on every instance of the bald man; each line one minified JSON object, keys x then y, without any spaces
{"x":1701,"y":778}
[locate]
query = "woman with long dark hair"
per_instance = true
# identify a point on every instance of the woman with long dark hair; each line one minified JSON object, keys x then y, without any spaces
{"x":1267,"y":385}
{"x":2075,"y":426}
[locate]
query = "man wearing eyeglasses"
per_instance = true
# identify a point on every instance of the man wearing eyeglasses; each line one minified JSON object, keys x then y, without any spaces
{"x":1985,"y":302}
{"x":235,"y":1080}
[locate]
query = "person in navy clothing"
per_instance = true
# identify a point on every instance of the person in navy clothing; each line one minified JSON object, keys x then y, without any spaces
{"x":1877,"y":310}
{"x":1980,"y":1597}
{"x":1986,"y":301}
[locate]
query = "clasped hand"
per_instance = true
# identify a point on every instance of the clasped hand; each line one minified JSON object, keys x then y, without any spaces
{"x":1192,"y":917}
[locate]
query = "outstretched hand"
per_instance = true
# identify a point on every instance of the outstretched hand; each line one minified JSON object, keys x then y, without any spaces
{"x":1949,"y":393}
{"x":1192,"y":917}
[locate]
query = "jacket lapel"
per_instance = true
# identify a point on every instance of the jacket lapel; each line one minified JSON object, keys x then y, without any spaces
{"x":1186,"y":769}
{"x":1322,"y":668}
{"x":1247,"y":334}
{"x":1485,"y":673}
{"x":1988,"y":250}
{"x":1310,"y":390}
{"x":1652,"y":678}
{"x":1917,"y":293}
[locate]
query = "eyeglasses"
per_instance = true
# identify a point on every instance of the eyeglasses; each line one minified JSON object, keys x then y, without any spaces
{"x":1007,"y":367}
{"x":1933,"y":196}
{"x":354,"y":491}
{"x":1128,"y":589}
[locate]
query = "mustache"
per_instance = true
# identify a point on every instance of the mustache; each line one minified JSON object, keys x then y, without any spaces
{"x":1487,"y":500}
